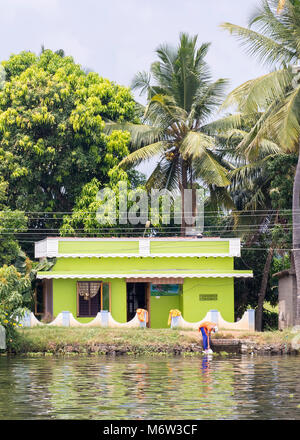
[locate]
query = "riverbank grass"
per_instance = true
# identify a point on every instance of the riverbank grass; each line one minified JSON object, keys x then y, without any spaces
{"x":61,"y":340}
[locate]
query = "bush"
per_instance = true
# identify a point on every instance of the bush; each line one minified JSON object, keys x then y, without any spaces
{"x":270,"y":320}
{"x":13,"y":288}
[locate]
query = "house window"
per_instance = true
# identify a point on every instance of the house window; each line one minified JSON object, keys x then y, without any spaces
{"x":92,"y":297}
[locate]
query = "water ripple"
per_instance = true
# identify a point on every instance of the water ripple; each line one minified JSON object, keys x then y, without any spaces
{"x":238,"y":387}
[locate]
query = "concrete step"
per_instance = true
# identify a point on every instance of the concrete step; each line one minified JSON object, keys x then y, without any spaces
{"x":229,"y":345}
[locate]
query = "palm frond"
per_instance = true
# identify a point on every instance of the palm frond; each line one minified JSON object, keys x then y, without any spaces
{"x":267,"y":50}
{"x":255,"y":95}
{"x":219,"y":198}
{"x":163,"y":111}
{"x":285,"y":121}
{"x":261,"y":130}
{"x":206,"y":99}
{"x":224,"y":124}
{"x":143,"y":154}
{"x":195,"y":145}
{"x":210,"y":171}
{"x":141,"y":134}
{"x":165,"y":175}
{"x":267,"y":21}
{"x":195,"y":148}
{"x":141,"y":81}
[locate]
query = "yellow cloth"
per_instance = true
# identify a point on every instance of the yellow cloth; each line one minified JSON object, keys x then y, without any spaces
{"x":142,"y":315}
{"x":173,"y":313}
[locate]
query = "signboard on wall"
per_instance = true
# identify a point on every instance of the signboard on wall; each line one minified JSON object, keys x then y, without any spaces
{"x":165,"y":289}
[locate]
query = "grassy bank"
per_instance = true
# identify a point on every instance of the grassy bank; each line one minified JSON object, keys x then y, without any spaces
{"x":97,"y":340}
{"x":60,"y":340}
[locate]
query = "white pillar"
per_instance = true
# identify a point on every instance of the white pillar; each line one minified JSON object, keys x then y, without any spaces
{"x":251,"y":319}
{"x":65,"y":319}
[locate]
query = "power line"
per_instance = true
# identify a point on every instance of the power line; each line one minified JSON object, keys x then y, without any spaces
{"x":160,"y":227}
{"x":267,"y":211}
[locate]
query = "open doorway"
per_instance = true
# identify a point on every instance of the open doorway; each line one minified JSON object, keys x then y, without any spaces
{"x":137,"y":298}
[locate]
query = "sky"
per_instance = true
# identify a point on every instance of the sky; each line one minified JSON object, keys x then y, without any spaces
{"x":118,"y":38}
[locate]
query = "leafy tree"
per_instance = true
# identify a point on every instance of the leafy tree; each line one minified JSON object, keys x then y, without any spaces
{"x":11,"y":224}
{"x":15,"y":290}
{"x":84,"y":220}
{"x":181,"y":99}
{"x":51,"y":130}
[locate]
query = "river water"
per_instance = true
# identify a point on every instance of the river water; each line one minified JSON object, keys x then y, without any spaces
{"x":235,"y":387}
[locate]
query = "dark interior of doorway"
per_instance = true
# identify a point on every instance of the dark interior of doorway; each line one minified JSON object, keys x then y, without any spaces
{"x":136,"y":298}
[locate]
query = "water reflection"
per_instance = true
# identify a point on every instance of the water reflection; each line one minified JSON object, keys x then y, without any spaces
{"x":147,"y":388}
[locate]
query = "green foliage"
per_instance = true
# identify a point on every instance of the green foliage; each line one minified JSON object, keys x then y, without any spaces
{"x":246,"y":290}
{"x":11,"y":223}
{"x":270,"y":320}
{"x":15,"y":290}
{"x":281,"y":170}
{"x":86,"y":216}
{"x":273,"y":39}
{"x":51,"y":130}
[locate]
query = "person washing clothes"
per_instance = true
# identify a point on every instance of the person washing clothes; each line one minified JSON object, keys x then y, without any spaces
{"x":206,"y":329}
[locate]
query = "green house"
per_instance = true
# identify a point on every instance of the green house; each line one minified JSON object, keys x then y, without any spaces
{"x":120,"y":275}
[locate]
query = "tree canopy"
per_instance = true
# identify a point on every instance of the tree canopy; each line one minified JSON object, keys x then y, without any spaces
{"x":51,"y":130}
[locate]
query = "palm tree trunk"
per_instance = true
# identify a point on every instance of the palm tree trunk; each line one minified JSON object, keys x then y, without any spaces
{"x":263,"y":288}
{"x":264,"y":283}
{"x":296,"y":235}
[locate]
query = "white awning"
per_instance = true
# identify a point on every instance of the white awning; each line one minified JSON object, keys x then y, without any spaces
{"x":54,"y":275}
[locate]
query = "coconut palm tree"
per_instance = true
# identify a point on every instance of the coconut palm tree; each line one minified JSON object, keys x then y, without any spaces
{"x":273,"y":36}
{"x":250,"y":192}
{"x":181,"y":98}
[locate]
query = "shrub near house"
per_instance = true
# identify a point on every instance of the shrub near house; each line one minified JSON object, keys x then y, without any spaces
{"x":14,"y":290}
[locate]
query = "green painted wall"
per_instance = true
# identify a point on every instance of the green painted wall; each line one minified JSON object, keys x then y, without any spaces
{"x":64,"y":290}
{"x":119,"y":300}
{"x":132,"y":246}
{"x":124,"y":265}
{"x":160,"y":309}
{"x":180,"y":247}
{"x":65,"y":298}
{"x":98,"y":247}
{"x":195,"y":310}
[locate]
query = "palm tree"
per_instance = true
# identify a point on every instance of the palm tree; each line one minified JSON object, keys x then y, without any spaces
{"x":181,"y":98}
{"x":273,"y":37}
{"x":250,"y":192}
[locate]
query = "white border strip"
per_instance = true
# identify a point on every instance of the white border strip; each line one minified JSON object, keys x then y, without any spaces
{"x":52,"y":275}
{"x":142,"y":256}
{"x":49,"y":247}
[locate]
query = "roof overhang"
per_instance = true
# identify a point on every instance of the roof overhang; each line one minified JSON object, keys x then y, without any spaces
{"x":180,"y":275}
